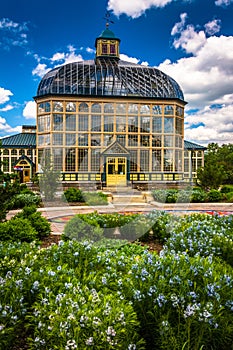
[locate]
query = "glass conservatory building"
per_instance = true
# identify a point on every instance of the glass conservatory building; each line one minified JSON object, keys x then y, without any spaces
{"x":111,"y":122}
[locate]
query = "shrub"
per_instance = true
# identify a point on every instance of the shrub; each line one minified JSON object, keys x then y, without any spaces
{"x":159,"y":195}
{"x":79,"y":229}
{"x":38,"y":222}
{"x":198,"y":196}
{"x":171,"y":196}
{"x":73,"y":195}
{"x":95,"y":198}
{"x":214,"y":196}
{"x":226,"y":189}
{"x":24,"y":199}
{"x":229,"y":197}
{"x":17,"y":229}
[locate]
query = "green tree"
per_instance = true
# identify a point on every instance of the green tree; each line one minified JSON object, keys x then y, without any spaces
{"x":48,"y":178}
{"x":9,"y":186}
{"x":214,"y":172}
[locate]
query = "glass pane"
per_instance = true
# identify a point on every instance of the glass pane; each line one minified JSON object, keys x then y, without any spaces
{"x":120,"y":108}
{"x":71,"y":122}
{"x":96,"y":122}
{"x":156,"y":141}
{"x":70,"y":139}
{"x":83,"y":123}
{"x":96,"y":108}
{"x":168,"y":110}
{"x":168,"y":141}
{"x":179,"y":111}
{"x":83,"y":139}
{"x":83,"y":159}
{"x":144,"y":160}
{"x":70,"y":159}
{"x":168,"y":160}
{"x":83,"y":107}
{"x":108,"y":108}
{"x":133,"y":109}
{"x":57,"y":139}
{"x":145,"y":124}
{"x":70,"y":107}
{"x":145,"y":141}
{"x":168,"y":125}
{"x":132,"y":124}
{"x":57,"y":106}
{"x":156,"y":160}
{"x":57,"y":122}
{"x":43,"y":123}
{"x":157,"y":109}
{"x":108,"y":123}
{"x":145,"y":109}
{"x":156,"y":125}
{"x":95,"y":139}
{"x":120,"y":124}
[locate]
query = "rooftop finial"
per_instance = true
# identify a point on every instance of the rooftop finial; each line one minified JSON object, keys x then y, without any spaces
{"x":107,"y":19}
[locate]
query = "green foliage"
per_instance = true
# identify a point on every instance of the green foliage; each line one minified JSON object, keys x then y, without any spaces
{"x":198,"y":196}
{"x":17,"y":229}
{"x":80,"y":229}
{"x":24,"y":199}
{"x":48,"y":179}
{"x":214,"y":196}
{"x":229,"y":197}
{"x":95,"y":198}
{"x":218,"y":167}
{"x":37,"y":221}
{"x":73,"y":194}
{"x":226,"y":189}
{"x":80,"y":295}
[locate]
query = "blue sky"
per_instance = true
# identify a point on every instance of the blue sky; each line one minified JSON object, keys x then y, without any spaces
{"x":191,"y":40}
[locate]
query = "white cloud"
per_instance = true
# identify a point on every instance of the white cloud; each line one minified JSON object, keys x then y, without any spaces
{"x":134,"y":8}
{"x":29,"y":111}
{"x":40,"y":70}
{"x":13,"y":33}
{"x":223,"y":2}
{"x":6,"y":128}
{"x":6,"y":108}
{"x":90,"y":50}
{"x":213,"y":27}
{"x":4,"y":95}
{"x":126,"y":58}
{"x":58,"y":56}
{"x":206,"y":77}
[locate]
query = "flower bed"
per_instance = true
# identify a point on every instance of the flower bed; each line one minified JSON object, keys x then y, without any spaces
{"x":109,"y":295}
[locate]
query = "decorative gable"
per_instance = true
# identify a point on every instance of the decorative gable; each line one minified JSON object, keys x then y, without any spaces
{"x":115,"y":148}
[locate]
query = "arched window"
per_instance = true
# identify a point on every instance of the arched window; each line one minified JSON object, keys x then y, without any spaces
{"x":83,"y":107}
{"x":96,"y":108}
{"x":108,"y":108}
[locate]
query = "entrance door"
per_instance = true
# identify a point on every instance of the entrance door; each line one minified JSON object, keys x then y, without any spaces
{"x":116,"y":171}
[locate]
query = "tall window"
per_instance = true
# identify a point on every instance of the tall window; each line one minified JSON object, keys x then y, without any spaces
{"x":83,"y":159}
{"x":57,"y":122}
{"x":83,"y":123}
{"x":70,"y":159}
{"x":70,"y":122}
{"x":144,"y":160}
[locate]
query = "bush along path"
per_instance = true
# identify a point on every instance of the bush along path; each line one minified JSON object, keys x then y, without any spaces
{"x":110,"y":295}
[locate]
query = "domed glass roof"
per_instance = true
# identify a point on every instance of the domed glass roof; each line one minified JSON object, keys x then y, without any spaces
{"x":108,"y":77}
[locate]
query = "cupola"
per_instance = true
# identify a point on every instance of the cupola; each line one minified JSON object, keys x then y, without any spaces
{"x":107,"y":45}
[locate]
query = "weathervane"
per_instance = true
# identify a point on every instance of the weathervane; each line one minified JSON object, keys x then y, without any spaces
{"x":107,"y":19}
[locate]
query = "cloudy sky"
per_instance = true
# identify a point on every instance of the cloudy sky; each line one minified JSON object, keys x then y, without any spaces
{"x":191,"y":40}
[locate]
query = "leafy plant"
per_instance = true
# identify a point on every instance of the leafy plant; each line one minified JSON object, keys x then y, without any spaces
{"x":17,"y":229}
{"x":38,"y":222}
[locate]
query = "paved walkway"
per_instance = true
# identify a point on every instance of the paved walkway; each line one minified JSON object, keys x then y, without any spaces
{"x":123,"y":205}
{"x":51,"y":213}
